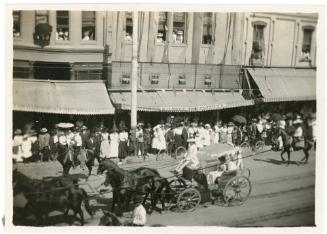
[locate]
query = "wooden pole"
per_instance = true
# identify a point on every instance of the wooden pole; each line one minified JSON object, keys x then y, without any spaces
{"x":134,"y":75}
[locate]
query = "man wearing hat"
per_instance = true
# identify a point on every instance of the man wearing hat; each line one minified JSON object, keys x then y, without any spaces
{"x":44,"y":144}
{"x":169,"y":135}
{"x":139,"y":140}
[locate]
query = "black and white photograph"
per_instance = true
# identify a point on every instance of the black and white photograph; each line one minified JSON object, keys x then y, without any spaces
{"x":163,"y":117}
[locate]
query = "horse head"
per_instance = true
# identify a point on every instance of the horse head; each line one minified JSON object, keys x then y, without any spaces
{"x":109,"y":219}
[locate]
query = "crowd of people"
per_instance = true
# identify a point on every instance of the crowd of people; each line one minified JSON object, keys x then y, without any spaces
{"x":118,"y":142}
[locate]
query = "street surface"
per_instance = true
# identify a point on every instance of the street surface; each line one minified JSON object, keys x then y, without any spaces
{"x":281,"y":195}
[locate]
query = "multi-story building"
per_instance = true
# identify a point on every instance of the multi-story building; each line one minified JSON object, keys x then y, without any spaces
{"x":188,"y":61}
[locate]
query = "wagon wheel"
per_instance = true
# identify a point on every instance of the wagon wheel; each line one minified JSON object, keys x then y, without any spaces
{"x":188,"y":200}
{"x":245,"y":172}
{"x":245,"y":146}
{"x":237,"y":190}
{"x":161,"y":154}
{"x":259,"y":146}
{"x":180,"y":152}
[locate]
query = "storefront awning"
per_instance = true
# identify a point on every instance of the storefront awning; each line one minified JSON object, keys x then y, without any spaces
{"x":61,"y":97}
{"x":285,"y":84}
{"x":180,"y":101}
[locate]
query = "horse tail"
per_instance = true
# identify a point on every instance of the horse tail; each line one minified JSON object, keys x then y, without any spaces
{"x":86,"y":202}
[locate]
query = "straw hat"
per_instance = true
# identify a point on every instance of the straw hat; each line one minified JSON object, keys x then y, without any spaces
{"x":43,"y":130}
{"x":230,"y":124}
{"x":207,"y":125}
{"x":18,"y":132}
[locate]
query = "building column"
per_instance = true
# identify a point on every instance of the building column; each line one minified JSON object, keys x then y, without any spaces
{"x":72,"y":72}
{"x":197,"y":37}
{"x":31,"y":72}
{"x":238,"y":21}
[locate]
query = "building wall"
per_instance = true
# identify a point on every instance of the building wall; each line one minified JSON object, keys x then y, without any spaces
{"x":283,"y":38}
{"x":74,"y":50}
{"x":232,"y":33}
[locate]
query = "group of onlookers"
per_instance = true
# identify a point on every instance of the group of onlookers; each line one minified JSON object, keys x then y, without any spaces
{"x":118,"y":142}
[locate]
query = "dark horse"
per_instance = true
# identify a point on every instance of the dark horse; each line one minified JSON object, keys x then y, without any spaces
{"x":127,"y":184}
{"x":289,"y":143}
{"x":44,"y":197}
{"x":65,"y":157}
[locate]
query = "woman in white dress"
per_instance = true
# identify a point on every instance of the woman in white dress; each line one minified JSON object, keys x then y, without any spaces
{"x":17,"y":146}
{"x":105,"y":145}
{"x":207,"y":135}
{"x":161,"y":138}
{"x":155,"y":140}
{"x":114,"y":143}
{"x":28,"y":140}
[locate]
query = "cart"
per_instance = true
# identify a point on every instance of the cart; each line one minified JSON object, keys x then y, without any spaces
{"x":231,"y":188}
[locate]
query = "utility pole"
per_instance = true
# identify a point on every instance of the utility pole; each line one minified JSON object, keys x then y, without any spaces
{"x":134,"y":75}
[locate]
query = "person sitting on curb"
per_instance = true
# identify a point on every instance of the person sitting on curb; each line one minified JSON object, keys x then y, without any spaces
{"x":138,"y":218}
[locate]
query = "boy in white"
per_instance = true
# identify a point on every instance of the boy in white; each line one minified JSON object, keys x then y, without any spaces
{"x":139,"y":214}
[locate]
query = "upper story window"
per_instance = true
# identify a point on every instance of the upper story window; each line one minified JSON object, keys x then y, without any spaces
{"x":41,"y":17}
{"x":307,"y":41}
{"x":179,"y":28}
{"x":88,"y":25}
{"x":207,"y":28}
{"x":129,"y":26}
{"x":62,"y":32}
{"x":162,"y":27}
{"x":258,"y":40}
{"x":16,"y":26}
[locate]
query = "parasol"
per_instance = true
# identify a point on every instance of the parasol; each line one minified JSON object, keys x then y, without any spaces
{"x":65,"y":125}
{"x":276,"y":117}
{"x":239,"y":119}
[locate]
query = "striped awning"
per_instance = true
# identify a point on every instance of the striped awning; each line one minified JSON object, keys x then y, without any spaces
{"x":285,"y":84}
{"x":180,"y":101}
{"x":61,"y":97}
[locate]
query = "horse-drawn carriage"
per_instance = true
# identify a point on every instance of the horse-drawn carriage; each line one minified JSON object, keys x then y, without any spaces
{"x":232,"y":187}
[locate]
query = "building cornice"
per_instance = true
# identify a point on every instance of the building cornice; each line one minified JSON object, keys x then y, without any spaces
{"x":59,"y":50}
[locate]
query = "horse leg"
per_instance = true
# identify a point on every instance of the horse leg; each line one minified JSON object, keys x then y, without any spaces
{"x":81,"y":214}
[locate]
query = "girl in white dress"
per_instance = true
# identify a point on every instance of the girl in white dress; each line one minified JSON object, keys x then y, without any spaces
{"x":155,"y":140}
{"x":114,"y":143}
{"x":105,"y":146}
{"x":161,"y":138}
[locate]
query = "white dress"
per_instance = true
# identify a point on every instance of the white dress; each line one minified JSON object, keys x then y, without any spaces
{"x":27,"y":147}
{"x":17,"y":145}
{"x":161,"y":140}
{"x":114,"y":143}
{"x":155,"y":140}
{"x":105,"y":146}
{"x":216,"y":134}
{"x":207,"y":137}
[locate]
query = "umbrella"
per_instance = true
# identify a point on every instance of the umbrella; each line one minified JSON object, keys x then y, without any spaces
{"x":65,"y":125}
{"x":239,"y":119}
{"x":276,"y":117}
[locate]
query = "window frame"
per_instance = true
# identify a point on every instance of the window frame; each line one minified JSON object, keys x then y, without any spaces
{"x":185,"y":29}
{"x":309,"y":29}
{"x":165,"y":29}
{"x":68,"y":26}
{"x":19,"y":23}
{"x":128,"y":14}
{"x":95,"y":28}
{"x":211,"y":25}
{"x":37,"y":13}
